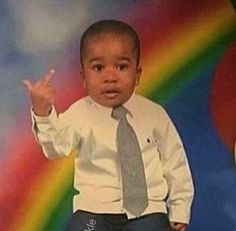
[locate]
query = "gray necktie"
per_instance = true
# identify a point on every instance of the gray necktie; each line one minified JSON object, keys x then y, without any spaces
{"x":134,"y":185}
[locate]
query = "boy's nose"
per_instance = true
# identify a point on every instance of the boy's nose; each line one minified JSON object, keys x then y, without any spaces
{"x":110,"y":77}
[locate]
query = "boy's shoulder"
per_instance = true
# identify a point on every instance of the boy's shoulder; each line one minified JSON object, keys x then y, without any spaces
{"x":80,"y":104}
{"x":147,"y":104}
{"x":84,"y":101}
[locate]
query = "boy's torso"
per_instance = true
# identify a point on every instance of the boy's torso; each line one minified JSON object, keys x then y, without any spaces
{"x":97,"y":169}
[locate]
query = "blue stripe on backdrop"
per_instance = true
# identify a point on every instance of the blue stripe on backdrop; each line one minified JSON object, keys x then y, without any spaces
{"x":211,"y":161}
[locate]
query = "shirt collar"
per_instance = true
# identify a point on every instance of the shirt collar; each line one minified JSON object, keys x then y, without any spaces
{"x":128,"y":105}
{"x":108,"y":110}
{"x":99,"y":107}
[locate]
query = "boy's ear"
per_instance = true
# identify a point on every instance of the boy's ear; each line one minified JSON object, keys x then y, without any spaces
{"x":82,"y":76}
{"x":138,"y":74}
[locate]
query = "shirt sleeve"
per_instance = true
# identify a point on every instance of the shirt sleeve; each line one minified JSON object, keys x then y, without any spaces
{"x":177,"y":174}
{"x":54,"y":134}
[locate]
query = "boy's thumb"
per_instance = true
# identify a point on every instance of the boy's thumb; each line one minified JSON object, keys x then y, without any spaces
{"x":27,"y":84}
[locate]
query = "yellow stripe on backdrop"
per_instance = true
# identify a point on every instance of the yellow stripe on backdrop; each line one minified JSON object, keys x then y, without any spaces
{"x":44,"y":195}
{"x":185,"y":44}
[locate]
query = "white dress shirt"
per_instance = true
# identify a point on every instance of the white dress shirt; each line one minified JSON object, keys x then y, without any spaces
{"x":88,"y":128}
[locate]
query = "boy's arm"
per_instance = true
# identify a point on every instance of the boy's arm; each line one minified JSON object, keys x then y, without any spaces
{"x":177,"y":173}
{"x":55,"y":135}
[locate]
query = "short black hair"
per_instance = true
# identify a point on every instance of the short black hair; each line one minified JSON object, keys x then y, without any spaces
{"x":112,"y":26}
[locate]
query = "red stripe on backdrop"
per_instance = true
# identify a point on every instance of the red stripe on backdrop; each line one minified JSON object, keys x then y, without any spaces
{"x":19,"y":171}
{"x":157,"y":22}
{"x":223,"y":97}
{"x":69,"y":88}
{"x":25,"y":162}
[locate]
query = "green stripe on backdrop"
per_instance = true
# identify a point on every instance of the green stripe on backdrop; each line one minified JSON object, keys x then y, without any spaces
{"x":163,"y":93}
{"x":234,"y":3}
{"x":61,"y":214}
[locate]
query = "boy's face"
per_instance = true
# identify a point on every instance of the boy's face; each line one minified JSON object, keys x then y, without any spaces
{"x":110,"y":70}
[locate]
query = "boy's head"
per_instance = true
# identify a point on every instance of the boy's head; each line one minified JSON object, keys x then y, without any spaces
{"x":115,"y":27}
{"x":110,"y":61}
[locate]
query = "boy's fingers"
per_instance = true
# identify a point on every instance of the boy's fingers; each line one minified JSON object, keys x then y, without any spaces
{"x":27,"y":84}
{"x":49,"y":76}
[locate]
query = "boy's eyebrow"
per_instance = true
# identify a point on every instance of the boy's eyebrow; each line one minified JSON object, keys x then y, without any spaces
{"x":125,"y":58}
{"x":99,"y":58}
{"x":95,"y":59}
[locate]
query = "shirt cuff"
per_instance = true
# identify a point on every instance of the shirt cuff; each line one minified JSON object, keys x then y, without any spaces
{"x":40,"y":123}
{"x":181,"y":215}
{"x":37,"y":118}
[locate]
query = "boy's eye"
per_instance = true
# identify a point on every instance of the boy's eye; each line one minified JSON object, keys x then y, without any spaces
{"x":98,"y":67}
{"x":122,"y":67}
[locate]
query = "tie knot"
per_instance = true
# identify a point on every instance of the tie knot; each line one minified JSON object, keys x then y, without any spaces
{"x":119,"y":112}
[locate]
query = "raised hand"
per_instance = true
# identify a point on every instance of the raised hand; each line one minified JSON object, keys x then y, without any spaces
{"x":42,"y":94}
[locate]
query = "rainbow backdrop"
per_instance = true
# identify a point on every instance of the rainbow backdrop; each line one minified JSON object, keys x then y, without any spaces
{"x":183,"y":44}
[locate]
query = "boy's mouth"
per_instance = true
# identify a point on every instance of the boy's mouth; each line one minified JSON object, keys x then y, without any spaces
{"x":110,"y":93}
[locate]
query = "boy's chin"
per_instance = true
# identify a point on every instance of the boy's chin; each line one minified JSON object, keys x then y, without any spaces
{"x":110,"y":103}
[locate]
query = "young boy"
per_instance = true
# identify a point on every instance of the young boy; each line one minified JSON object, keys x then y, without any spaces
{"x":105,"y":142}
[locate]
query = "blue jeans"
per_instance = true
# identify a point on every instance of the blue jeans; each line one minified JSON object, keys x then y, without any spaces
{"x":86,"y":221}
